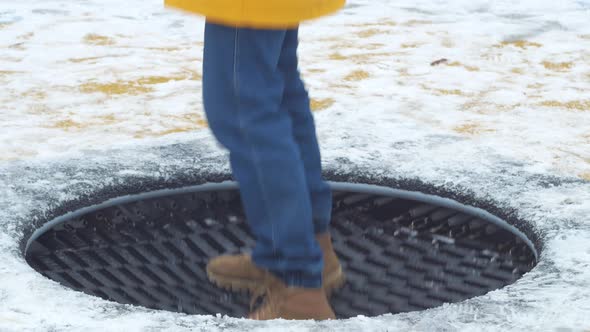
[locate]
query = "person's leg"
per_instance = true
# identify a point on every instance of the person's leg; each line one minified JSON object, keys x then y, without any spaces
{"x":296,"y":102}
{"x":242,"y":94}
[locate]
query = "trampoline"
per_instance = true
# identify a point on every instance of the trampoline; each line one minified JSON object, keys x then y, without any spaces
{"x":401,"y":250}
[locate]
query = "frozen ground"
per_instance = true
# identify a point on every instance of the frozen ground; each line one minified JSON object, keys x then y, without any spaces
{"x":100,"y":92}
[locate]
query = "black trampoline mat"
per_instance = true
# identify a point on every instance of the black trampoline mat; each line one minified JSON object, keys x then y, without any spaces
{"x":398,"y":254}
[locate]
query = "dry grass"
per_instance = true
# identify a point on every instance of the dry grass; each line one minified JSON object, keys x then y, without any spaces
{"x":472,"y":129}
{"x":558,"y":66}
{"x":523,"y":44}
{"x":95,"y":39}
{"x":370,"y":32}
{"x":135,"y":87}
{"x":199,"y":124}
{"x":343,"y":43}
{"x":165,"y":49}
{"x":177,"y":124}
{"x":363,"y":58}
{"x":91,"y":60}
{"x":357,"y":75}
{"x":36,"y":94}
{"x":152,"y":80}
{"x":413,"y":23}
{"x":115,"y":88}
{"x":337,"y":56}
{"x":459,"y":64}
{"x":409,"y":45}
{"x":69,"y":125}
{"x":26,"y":36}
{"x":4,"y":73}
{"x":573,"y":105}
{"x":321,"y":104}
{"x":453,"y":92}
{"x":381,"y":23}
{"x":535,"y":86}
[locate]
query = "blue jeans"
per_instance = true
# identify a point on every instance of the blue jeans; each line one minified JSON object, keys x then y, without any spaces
{"x":259,"y":109}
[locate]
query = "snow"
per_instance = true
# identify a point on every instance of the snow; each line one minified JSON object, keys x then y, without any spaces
{"x":97,"y":93}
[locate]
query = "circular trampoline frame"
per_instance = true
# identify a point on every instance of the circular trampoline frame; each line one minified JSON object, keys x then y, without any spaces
{"x":337,"y":187}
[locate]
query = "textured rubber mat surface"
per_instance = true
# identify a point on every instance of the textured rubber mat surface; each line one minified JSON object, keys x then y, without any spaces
{"x":398,"y":255}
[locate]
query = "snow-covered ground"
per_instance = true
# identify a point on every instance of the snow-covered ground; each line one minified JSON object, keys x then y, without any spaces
{"x":98,"y":91}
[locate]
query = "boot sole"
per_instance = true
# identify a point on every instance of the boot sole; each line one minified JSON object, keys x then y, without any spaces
{"x":334,"y":281}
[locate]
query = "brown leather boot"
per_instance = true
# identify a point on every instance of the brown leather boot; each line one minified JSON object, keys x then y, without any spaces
{"x":291,"y":303}
{"x":239,"y":273}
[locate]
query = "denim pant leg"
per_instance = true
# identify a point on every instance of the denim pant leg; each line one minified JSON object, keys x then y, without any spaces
{"x":296,"y":102}
{"x":242,"y":94}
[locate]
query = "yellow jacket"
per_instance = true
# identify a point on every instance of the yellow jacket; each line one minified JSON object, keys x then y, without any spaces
{"x":258,"y":13}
